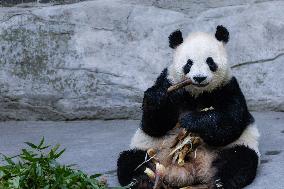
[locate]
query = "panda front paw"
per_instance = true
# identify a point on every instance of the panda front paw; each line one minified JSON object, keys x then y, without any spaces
{"x":188,"y":121}
{"x":155,"y":97}
{"x":159,"y":97}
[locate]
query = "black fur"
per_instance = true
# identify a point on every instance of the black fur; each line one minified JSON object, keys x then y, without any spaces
{"x":127,"y":162}
{"x":222,"y":34}
{"x":175,"y":39}
{"x":160,"y":110}
{"x":212,"y":65}
{"x":236,"y":167}
{"x":187,"y":66}
{"x":226,"y":122}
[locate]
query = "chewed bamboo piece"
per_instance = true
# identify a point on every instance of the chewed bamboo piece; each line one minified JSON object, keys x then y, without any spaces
{"x":150,"y":173}
{"x":160,"y":169}
{"x":160,"y":173}
{"x":186,"y":143}
{"x":179,"y":85}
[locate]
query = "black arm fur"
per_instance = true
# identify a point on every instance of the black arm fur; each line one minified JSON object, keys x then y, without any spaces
{"x":226,"y":122}
{"x":160,"y":109}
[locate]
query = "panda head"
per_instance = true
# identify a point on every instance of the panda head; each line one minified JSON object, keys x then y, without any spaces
{"x":201,"y":57}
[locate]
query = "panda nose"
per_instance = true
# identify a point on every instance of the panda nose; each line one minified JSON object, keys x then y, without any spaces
{"x":199,"y":79}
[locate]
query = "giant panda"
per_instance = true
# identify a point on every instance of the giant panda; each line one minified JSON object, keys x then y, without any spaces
{"x":228,"y":130}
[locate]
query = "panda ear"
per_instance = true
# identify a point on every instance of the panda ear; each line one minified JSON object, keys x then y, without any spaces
{"x":222,"y":34}
{"x":175,"y":39}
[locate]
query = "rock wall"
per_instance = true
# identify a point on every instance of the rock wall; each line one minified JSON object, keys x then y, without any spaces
{"x":94,"y":59}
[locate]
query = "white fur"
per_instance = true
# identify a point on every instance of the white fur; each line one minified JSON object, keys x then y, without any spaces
{"x":248,"y":138}
{"x":198,"y":47}
{"x":142,"y":141}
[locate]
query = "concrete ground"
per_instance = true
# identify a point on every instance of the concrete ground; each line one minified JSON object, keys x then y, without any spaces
{"x":94,"y":145}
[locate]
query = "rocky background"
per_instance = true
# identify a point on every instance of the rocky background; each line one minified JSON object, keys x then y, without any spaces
{"x":69,"y":60}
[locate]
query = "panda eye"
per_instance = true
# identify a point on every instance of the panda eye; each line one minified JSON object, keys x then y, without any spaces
{"x":186,"y":68}
{"x":212,"y":65}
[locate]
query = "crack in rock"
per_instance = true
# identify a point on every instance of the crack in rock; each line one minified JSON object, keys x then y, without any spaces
{"x":12,"y":16}
{"x":103,"y":29}
{"x":89,"y":70}
{"x":257,"y":61}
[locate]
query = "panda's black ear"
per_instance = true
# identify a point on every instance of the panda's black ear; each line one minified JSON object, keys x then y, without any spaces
{"x":175,"y":39}
{"x":222,"y":34}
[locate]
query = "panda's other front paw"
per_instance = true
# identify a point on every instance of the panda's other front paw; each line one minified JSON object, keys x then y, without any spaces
{"x":187,"y":121}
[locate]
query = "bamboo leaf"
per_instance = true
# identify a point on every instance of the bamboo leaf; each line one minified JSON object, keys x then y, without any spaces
{"x":31,"y":145}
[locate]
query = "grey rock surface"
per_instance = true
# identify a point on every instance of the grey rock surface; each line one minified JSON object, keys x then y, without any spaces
{"x":94,"y":59}
{"x":94,"y":145}
{"x":9,"y":3}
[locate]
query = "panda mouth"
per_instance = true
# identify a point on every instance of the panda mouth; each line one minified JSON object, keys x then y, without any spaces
{"x":200,"y":85}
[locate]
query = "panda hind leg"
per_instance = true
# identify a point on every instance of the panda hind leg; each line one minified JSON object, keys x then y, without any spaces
{"x":236,"y":167}
{"x":127,"y":171}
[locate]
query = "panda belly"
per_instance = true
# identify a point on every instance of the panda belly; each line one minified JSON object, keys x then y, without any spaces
{"x":197,"y":170}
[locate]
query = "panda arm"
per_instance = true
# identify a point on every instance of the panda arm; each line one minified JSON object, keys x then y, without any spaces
{"x":225,"y":123}
{"x":160,"y":109}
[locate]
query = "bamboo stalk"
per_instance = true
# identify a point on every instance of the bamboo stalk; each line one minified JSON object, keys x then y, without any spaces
{"x":179,"y":85}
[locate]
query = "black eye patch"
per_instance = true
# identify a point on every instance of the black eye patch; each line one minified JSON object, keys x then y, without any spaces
{"x":186,"y":68}
{"x":212,"y":65}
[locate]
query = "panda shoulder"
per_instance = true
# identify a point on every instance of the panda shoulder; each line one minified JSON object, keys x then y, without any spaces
{"x":163,"y":75}
{"x":163,"y":79}
{"x":232,"y":85}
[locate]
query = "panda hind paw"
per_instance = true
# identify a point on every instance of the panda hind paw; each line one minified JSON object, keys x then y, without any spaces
{"x":142,"y":182}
